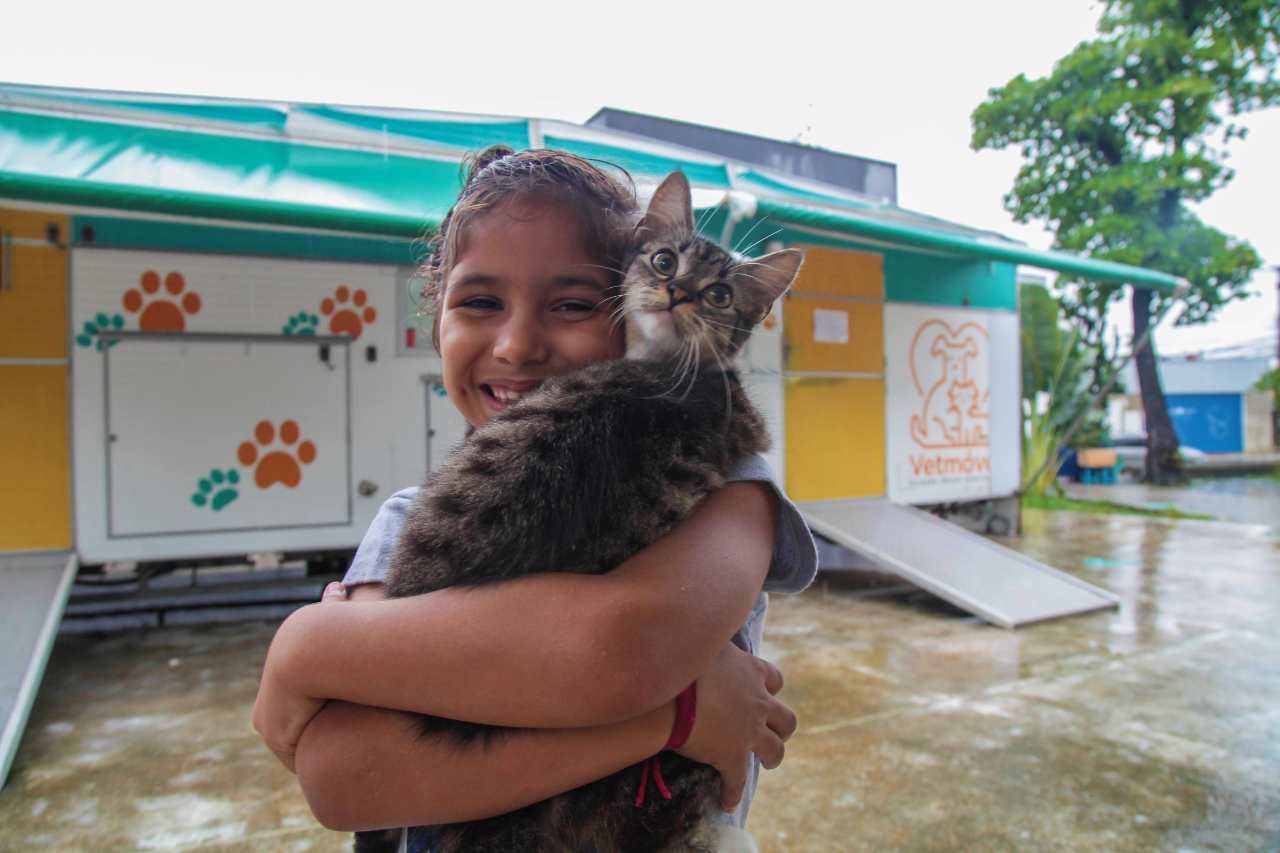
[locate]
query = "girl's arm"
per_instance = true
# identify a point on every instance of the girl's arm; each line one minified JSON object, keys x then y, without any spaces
{"x":366,"y":768}
{"x":544,"y":651}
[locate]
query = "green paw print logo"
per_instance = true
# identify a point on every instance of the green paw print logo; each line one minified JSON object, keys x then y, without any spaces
{"x":88,"y":336}
{"x":217,"y":490}
{"x":302,"y":323}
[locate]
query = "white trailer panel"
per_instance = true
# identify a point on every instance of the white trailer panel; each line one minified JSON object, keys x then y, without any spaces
{"x":951,"y":412}
{"x":183,"y":408}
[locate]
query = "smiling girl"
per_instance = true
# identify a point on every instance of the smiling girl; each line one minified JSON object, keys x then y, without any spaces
{"x":585,"y":666}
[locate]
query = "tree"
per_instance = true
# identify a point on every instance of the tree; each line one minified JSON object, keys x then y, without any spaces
{"x":1126,"y":133}
{"x":1270,"y":381}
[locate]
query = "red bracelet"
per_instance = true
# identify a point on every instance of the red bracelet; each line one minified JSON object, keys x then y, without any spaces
{"x":686,"y":712}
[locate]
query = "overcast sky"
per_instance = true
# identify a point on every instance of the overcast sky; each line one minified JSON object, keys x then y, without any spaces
{"x":891,"y":81}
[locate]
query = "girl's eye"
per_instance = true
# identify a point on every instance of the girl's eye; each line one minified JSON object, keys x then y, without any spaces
{"x":718,"y":296}
{"x":485,"y":303}
{"x":576,"y":307}
{"x":664,"y":262}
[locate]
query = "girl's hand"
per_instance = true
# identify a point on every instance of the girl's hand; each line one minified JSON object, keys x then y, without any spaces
{"x":279,"y":713}
{"x":737,"y":714}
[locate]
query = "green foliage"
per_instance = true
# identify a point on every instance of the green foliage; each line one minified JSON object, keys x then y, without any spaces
{"x":1270,"y":381}
{"x":1129,"y":129}
{"x":1056,"y":366}
{"x":1061,"y":502}
{"x":1039,"y":439}
{"x":1041,"y":336}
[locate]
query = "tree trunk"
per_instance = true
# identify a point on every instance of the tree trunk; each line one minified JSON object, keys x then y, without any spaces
{"x":1164,"y":465}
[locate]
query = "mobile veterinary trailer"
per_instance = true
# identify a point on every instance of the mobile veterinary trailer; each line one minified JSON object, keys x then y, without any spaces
{"x":209,"y":343}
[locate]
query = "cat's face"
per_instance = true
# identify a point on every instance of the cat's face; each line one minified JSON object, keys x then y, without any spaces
{"x":685,"y":297}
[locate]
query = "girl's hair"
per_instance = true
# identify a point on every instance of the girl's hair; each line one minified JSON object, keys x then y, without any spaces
{"x":605,"y":205}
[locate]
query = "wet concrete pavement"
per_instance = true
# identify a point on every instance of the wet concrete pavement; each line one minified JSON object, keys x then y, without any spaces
{"x":1154,"y":728}
{"x":1249,"y":500}
{"x":142,"y":742}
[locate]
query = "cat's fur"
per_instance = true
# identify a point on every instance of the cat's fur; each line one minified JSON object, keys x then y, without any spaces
{"x":581,"y":474}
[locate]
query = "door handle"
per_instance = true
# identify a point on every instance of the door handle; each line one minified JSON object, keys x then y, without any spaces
{"x":6,"y":262}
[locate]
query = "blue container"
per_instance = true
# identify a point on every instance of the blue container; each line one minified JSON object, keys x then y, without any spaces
{"x":1208,"y":422}
{"x":1070,"y":466}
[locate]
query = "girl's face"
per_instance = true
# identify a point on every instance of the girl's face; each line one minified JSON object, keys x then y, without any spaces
{"x":525,"y":300}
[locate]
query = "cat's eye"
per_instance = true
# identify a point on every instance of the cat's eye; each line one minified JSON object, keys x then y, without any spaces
{"x":664,"y":262}
{"x":718,"y":296}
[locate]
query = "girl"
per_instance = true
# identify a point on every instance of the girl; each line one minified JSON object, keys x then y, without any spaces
{"x":585,"y":666}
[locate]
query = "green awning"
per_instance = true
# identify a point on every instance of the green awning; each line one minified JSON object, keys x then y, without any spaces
{"x":396,"y":172}
{"x":912,"y":235}
{"x":644,"y":163}
{"x":463,"y":135}
{"x":220,"y":176}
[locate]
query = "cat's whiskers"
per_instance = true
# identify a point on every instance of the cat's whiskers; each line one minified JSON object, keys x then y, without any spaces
{"x":706,"y":214}
{"x":754,"y":278}
{"x":603,"y":267}
{"x":682,"y":352}
{"x":618,"y":311}
{"x":695,"y":362}
{"x":744,"y":237}
{"x":718,"y":323}
{"x":728,"y":391}
{"x":757,"y":367}
{"x":761,"y":240}
{"x":619,"y":317}
{"x":725,"y":336}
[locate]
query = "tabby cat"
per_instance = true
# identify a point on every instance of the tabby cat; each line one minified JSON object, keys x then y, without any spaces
{"x":581,"y":474}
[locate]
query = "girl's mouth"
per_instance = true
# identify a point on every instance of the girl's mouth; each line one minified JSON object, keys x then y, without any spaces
{"x":501,"y":396}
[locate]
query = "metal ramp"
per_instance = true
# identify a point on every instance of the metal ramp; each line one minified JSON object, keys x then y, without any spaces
{"x":975,"y":574}
{"x":35,"y":592}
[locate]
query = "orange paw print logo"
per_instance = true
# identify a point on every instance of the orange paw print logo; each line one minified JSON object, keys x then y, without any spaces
{"x":347,"y":319}
{"x":278,"y":466}
{"x":161,"y":313}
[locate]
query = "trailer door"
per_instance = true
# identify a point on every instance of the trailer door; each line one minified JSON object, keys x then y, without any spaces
{"x":35,"y":491}
{"x":833,"y":322}
{"x":222,"y":432}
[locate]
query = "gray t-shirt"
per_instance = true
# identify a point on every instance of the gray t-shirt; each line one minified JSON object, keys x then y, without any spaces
{"x":795,"y":562}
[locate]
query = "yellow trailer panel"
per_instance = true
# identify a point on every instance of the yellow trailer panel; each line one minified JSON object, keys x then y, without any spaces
{"x":35,"y":503}
{"x":833,"y":323}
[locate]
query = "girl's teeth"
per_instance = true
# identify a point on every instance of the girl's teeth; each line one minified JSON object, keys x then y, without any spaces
{"x":506,"y":395}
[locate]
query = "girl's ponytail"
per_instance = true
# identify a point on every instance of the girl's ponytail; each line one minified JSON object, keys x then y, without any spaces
{"x":474,"y":164}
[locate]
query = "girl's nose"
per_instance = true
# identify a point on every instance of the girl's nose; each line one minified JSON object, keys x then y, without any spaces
{"x":521,"y":342}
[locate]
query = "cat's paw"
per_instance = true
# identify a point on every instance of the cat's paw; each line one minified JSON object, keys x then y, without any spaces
{"x":717,"y":838}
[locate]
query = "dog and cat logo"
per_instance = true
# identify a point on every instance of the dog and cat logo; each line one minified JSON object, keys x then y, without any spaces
{"x":940,"y":403}
{"x":954,"y":397}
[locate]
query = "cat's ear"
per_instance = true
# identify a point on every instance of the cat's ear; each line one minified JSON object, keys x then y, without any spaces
{"x":671,"y":208}
{"x":770,"y":276}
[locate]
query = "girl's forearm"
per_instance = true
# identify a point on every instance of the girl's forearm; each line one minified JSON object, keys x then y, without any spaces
{"x":365,"y":768}
{"x":548,"y":650}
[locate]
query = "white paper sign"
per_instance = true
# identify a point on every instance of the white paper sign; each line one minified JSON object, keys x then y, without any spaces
{"x":830,"y":327}
{"x":937,"y":363}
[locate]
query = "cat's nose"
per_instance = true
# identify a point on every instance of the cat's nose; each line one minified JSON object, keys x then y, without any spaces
{"x":678,"y":294}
